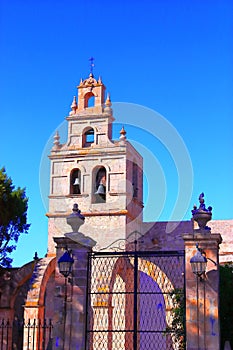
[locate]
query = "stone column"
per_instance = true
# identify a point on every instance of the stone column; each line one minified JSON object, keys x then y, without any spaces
{"x":73,"y":333}
{"x":202,"y":294}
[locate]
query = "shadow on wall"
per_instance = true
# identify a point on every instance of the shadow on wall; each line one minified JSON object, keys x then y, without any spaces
{"x":226,"y":306}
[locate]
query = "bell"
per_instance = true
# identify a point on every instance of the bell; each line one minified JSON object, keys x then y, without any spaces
{"x":76,"y":182}
{"x":100,"y":190}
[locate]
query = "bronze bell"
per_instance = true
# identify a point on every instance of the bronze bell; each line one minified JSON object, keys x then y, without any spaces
{"x":76,"y":182}
{"x":101,"y":190}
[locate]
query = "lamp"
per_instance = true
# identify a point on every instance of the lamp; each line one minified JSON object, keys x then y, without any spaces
{"x":198,"y":263}
{"x":65,"y":264}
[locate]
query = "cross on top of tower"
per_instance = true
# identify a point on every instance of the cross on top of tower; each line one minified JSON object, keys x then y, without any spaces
{"x":91,"y":59}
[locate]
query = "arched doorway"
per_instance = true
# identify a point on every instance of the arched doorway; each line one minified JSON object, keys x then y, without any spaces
{"x":131,"y":298}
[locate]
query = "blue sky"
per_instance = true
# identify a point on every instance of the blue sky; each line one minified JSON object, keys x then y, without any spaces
{"x":174,"y":57}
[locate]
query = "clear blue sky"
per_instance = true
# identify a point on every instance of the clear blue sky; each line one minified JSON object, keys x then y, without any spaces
{"x":174,"y":57}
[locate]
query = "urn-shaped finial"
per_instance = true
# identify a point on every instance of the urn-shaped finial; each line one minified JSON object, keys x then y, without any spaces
{"x":75,"y":219}
{"x":202,"y":214}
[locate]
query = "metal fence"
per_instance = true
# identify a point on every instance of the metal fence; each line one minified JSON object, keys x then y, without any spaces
{"x":135,"y":301}
{"x":20,"y":334}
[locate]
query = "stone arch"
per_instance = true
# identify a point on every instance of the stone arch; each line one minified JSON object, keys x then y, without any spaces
{"x":88,"y":136}
{"x":124,"y":268}
{"x":164,"y":283}
{"x":99,"y":184}
{"x":121,"y":267}
{"x":11,"y":282}
{"x":87,"y":97}
{"x":35,"y":297}
{"x":74,"y":166}
{"x":14,"y":285}
{"x":75,"y":181}
{"x":82,"y":169}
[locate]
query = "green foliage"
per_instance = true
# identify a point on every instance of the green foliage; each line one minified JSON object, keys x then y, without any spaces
{"x":13,"y":217}
{"x":226,"y":304}
{"x":177,"y":327}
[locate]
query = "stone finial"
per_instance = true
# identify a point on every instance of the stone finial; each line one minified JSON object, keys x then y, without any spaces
{"x":56,"y":142}
{"x":108,"y":102}
{"x":89,"y":82}
{"x":122,"y":134}
{"x":202,"y":214}
{"x":36,"y":256}
{"x":100,"y":80}
{"x":73,"y":106}
{"x":75,"y":219}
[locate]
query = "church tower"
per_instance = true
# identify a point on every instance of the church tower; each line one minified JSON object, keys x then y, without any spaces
{"x":103,"y":176}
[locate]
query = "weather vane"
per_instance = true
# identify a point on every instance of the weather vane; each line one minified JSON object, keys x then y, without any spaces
{"x":91,"y":64}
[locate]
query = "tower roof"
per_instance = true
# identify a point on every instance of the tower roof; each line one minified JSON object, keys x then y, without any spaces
{"x":90,"y":82}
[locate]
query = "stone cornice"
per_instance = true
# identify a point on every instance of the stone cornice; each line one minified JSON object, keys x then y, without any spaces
{"x":198,"y":236}
{"x":87,"y":152}
{"x":84,"y":114}
{"x":88,"y":214}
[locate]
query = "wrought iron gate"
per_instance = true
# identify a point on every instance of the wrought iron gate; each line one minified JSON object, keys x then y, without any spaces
{"x":135,"y":301}
{"x":37,"y":334}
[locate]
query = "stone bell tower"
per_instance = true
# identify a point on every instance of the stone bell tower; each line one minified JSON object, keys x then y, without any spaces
{"x":103,"y":176}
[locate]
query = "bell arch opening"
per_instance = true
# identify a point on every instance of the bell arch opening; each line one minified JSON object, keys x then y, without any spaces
{"x":89,"y":100}
{"x":88,"y":137}
{"x":99,"y":185}
{"x":75,"y":182}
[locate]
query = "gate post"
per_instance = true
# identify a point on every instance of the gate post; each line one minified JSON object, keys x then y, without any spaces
{"x":202,"y":294}
{"x":74,"y":335}
{"x":33,"y":315}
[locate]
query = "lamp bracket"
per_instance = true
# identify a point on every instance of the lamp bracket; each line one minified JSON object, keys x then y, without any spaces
{"x":204,"y":253}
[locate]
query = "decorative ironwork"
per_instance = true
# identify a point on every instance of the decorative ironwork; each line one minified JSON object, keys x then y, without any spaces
{"x":130,"y":300}
{"x":32,"y":334}
{"x":123,"y":244}
{"x":91,"y":59}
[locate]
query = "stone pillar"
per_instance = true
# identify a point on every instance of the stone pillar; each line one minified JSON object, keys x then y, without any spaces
{"x":72,"y":332}
{"x":32,"y":332}
{"x":202,"y":294}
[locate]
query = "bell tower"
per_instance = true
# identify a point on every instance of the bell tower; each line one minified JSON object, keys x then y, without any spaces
{"x":103,"y":176}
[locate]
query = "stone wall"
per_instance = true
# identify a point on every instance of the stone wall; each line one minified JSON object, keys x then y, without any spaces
{"x":225,"y":228}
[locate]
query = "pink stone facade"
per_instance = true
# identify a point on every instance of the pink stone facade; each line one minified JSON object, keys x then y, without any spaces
{"x":225,"y":228}
{"x":202,"y":294}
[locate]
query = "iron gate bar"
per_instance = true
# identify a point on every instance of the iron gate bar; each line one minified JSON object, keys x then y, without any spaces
{"x":125,"y":331}
{"x":12,"y":332}
{"x":135,"y":318}
{"x":33,"y":333}
{"x":139,"y":253}
{"x":87,"y":300}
